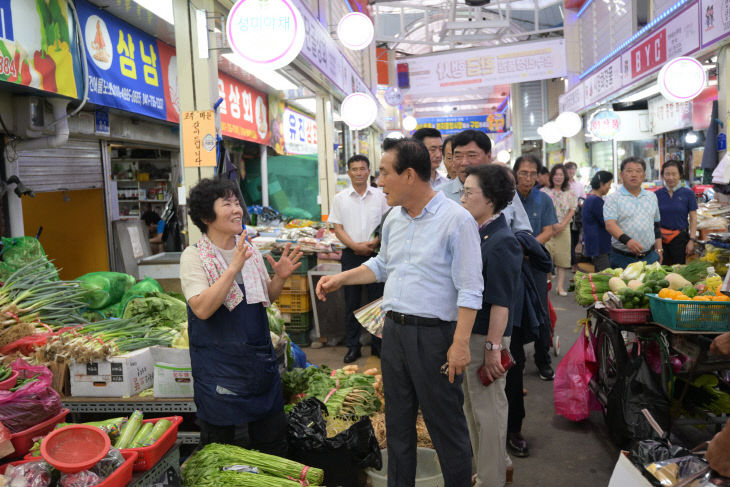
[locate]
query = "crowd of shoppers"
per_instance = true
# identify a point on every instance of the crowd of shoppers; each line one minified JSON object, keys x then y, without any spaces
{"x":448,"y":320}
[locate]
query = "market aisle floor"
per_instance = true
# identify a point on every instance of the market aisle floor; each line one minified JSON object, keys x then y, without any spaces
{"x":561,"y":452}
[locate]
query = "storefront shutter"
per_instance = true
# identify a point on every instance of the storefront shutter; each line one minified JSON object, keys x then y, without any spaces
{"x":75,"y":165}
{"x":532,"y":107}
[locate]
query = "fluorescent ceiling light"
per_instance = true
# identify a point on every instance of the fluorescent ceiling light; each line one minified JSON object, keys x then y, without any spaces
{"x":161,"y":8}
{"x":640,"y":95}
{"x":271,"y":78}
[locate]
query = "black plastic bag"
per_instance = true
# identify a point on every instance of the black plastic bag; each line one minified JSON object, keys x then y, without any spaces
{"x":635,"y":390}
{"x":352,"y":450}
{"x":651,"y":451}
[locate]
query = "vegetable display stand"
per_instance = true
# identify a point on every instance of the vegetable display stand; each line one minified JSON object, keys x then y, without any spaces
{"x":170,"y":462}
{"x":148,"y":456}
{"x":23,"y":440}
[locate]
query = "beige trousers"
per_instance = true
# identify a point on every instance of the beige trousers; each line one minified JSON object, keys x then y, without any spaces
{"x":486,"y":415}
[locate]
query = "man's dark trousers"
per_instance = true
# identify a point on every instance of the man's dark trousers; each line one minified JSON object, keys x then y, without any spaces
{"x":411,"y":360}
{"x":353,"y":294}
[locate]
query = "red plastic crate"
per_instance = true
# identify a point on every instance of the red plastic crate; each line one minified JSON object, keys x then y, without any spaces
{"x":150,"y":455}
{"x":23,"y":440}
{"x":629,"y":316}
{"x":119,"y":478}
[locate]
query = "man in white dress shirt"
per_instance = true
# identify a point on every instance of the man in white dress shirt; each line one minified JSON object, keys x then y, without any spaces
{"x":431,"y":138}
{"x":356,"y":213}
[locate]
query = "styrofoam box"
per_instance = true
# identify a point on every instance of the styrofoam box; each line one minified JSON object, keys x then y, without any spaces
{"x":120,"y":376}
{"x":625,"y":474}
{"x":173,"y":373}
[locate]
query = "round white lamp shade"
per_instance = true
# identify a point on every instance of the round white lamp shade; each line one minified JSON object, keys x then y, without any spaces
{"x":551,"y":133}
{"x":278,"y":38}
{"x":569,"y":123}
{"x":682,"y":79}
{"x":503,"y":156}
{"x":410,"y":123}
{"x":359,"y":110}
{"x":355,"y":31}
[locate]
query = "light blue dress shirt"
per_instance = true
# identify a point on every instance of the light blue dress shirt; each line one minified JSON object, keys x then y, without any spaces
{"x":635,"y":215}
{"x":429,"y":262}
{"x":515,"y":213}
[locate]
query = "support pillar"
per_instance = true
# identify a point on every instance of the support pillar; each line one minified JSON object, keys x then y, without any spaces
{"x":326,"y":154}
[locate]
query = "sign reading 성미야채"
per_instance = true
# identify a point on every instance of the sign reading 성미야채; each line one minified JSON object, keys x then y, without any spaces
{"x":198,"y":128}
{"x":275,"y":27}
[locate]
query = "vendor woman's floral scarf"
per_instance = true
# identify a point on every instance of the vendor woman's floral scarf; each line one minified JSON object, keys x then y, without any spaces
{"x":255,"y":277}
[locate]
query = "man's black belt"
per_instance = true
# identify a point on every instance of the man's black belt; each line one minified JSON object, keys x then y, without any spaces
{"x":631,"y":254}
{"x":404,"y":319}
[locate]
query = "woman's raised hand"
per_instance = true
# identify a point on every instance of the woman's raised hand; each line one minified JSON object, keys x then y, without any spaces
{"x":288,"y":262}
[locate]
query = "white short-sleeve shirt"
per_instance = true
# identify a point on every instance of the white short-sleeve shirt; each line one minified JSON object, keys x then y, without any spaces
{"x":359,"y":215}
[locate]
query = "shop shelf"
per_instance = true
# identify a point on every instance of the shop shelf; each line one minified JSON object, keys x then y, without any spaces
{"x":629,"y":316}
{"x":298,"y":322}
{"x":150,"y":455}
{"x":294,"y":303}
{"x":709,"y":316}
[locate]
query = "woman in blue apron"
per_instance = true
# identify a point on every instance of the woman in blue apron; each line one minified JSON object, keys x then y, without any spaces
{"x":236,"y":378}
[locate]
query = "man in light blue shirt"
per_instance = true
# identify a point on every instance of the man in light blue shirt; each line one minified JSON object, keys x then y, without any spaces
{"x":470,"y":148}
{"x":433,"y":289}
{"x":632,"y":218}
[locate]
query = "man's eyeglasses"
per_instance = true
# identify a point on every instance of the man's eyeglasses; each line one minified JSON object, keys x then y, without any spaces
{"x":527,"y":174}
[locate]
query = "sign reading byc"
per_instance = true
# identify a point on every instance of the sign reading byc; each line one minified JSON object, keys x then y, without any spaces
{"x":478,"y":68}
{"x":244,"y":111}
{"x":274,"y":27}
{"x":300,"y":133}
{"x":125,"y":66}
{"x":492,"y":123}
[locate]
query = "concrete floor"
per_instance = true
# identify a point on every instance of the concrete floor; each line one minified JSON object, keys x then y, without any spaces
{"x":561,"y":452}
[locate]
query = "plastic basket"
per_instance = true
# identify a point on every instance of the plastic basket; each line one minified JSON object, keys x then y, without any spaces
{"x":298,"y":322}
{"x":629,"y":316}
{"x":119,"y":478}
{"x":294,"y":303}
{"x":308,"y":261}
{"x":297,"y":284}
{"x":300,"y":338}
{"x":23,"y":440}
{"x":690,"y":315}
{"x":150,"y":455}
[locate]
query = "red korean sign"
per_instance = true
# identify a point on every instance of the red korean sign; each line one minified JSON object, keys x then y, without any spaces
{"x":649,"y":54}
{"x":244,"y":111}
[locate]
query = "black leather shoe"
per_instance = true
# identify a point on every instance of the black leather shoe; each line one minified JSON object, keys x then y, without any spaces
{"x":517,"y":445}
{"x":352,"y":355}
{"x":546,"y":372}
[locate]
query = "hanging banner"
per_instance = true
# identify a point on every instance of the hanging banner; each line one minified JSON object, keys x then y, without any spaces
{"x":492,"y":123}
{"x":461,"y":70}
{"x":125,"y":65}
{"x":198,"y":130}
{"x":276,"y":122}
{"x":244,"y":111}
{"x":667,"y":116}
{"x":37,"y":46}
{"x":300,"y":133}
{"x":601,"y":84}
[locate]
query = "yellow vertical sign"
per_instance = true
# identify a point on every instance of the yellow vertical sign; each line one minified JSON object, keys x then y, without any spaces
{"x":198,"y":130}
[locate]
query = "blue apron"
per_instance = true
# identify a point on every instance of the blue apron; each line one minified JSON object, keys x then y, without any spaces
{"x":235,"y":372}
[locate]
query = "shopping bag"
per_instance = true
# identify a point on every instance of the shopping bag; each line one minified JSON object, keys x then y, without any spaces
{"x":571,"y":394}
{"x":31,"y":404}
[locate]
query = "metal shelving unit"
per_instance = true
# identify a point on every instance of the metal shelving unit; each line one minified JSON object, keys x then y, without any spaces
{"x":116,"y":405}
{"x":171,"y":460}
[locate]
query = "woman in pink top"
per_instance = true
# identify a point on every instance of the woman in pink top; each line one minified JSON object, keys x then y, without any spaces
{"x":565,"y":204}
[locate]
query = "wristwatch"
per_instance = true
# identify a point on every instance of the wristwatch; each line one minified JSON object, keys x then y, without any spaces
{"x":660,"y":251}
{"x":492,"y":346}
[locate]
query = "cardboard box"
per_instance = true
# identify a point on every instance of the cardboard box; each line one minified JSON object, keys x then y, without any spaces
{"x":173,"y":372}
{"x":120,"y":376}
